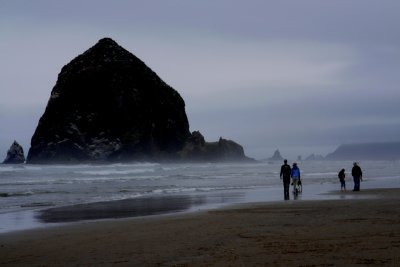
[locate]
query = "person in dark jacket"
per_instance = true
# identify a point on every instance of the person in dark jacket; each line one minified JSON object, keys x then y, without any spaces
{"x":357,"y":176}
{"x":285,"y":175}
{"x":342,"y":176}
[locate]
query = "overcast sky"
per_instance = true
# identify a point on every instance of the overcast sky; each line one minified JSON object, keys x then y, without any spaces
{"x":303,"y":76}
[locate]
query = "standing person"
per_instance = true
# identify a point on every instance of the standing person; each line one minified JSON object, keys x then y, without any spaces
{"x":295,"y":174}
{"x":342,"y":176}
{"x":285,"y":175}
{"x":357,"y":176}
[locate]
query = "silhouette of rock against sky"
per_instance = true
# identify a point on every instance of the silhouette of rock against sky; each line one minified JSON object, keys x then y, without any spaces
{"x":108,"y":105}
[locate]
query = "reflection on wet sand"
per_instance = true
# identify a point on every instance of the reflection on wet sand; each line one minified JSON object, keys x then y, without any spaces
{"x":134,"y":207}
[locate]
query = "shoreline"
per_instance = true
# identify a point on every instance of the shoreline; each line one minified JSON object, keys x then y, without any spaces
{"x":337,"y":232}
{"x":30,"y":219}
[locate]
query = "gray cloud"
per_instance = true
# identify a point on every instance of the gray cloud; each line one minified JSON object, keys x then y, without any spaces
{"x":303,"y":76}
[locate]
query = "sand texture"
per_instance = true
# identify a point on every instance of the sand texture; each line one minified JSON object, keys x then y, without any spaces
{"x":350,"y":232}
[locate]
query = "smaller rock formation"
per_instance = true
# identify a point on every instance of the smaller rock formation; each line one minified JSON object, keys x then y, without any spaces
{"x":277,"y":156}
{"x":15,"y":155}
{"x":197,"y":149}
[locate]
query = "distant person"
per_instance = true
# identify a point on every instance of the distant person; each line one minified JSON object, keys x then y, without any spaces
{"x":357,"y":176}
{"x":295,"y":174}
{"x":342,"y":176}
{"x":285,"y":175}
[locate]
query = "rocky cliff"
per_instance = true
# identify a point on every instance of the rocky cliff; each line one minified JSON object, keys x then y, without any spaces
{"x":108,"y":106}
{"x":15,"y":155}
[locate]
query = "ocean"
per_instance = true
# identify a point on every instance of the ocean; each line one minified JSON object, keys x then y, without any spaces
{"x":42,"y":195}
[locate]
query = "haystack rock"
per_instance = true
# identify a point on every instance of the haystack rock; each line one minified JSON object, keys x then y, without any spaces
{"x":15,"y":155}
{"x":108,"y":106}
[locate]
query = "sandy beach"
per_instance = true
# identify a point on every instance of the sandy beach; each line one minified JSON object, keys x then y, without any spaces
{"x":348,"y":232}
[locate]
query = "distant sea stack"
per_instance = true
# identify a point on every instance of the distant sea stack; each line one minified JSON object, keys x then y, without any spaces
{"x":366,"y":151}
{"x":15,"y":155}
{"x":108,"y":106}
{"x":276,"y":156}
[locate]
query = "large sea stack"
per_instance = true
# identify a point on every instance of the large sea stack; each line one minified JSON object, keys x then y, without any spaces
{"x":107,"y":105}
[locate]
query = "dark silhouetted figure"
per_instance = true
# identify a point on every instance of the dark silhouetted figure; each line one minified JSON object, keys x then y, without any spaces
{"x":342,"y":176}
{"x":285,"y":175}
{"x":357,"y":176}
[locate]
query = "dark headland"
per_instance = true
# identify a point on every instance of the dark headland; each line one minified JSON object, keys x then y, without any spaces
{"x":366,"y":151}
{"x":108,"y":106}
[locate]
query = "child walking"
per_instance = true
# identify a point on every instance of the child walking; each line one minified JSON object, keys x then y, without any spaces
{"x":342,"y":176}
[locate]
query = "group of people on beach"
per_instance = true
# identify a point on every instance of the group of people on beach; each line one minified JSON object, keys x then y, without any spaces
{"x":291,"y":176}
{"x":356,"y":172}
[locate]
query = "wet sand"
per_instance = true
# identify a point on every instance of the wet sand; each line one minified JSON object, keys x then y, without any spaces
{"x":348,"y":232}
